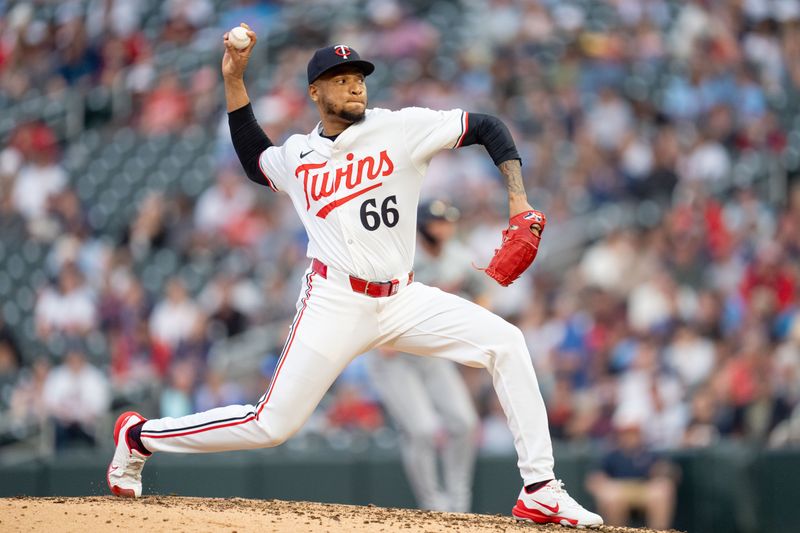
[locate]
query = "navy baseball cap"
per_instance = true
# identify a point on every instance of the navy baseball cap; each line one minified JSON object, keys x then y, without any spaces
{"x":330,"y":57}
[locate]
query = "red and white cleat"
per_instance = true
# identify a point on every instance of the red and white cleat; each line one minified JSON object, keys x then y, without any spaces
{"x":124,"y":474}
{"x":551,"y":503}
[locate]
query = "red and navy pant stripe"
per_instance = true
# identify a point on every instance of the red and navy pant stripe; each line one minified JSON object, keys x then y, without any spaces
{"x":256,"y":411}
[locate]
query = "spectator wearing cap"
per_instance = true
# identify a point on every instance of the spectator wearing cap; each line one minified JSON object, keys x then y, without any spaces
{"x":41,"y":176}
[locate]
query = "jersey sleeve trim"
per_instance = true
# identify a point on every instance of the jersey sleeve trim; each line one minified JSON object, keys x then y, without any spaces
{"x":266,"y":178}
{"x":464,"y":128}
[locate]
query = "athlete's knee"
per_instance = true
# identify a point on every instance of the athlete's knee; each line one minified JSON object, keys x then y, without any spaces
{"x":276,"y":433}
{"x":511,"y":352}
{"x":463,"y":425}
{"x":517,"y":337}
{"x":422,"y":433}
{"x":284,"y":432}
{"x":512,"y":340}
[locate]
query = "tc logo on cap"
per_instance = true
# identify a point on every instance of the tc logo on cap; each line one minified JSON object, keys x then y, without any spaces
{"x":342,"y":50}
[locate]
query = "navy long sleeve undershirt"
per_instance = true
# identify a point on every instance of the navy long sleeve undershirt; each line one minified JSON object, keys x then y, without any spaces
{"x":249,"y":140}
{"x":493,"y":135}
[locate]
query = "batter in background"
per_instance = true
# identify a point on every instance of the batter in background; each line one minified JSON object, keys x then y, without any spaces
{"x":424,"y":394}
{"x":354,"y":181}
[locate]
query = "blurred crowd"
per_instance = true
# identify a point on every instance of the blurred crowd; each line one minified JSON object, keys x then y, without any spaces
{"x":683,"y":323}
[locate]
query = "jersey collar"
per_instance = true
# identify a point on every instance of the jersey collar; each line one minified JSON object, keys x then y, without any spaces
{"x":325,"y":146}
{"x":318,"y":143}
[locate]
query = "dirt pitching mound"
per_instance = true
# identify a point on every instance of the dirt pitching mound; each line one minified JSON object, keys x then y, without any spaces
{"x":196,"y":515}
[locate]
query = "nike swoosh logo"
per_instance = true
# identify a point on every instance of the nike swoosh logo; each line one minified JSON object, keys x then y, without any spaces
{"x":302,"y":155}
{"x":116,"y":467}
{"x":553,"y":510}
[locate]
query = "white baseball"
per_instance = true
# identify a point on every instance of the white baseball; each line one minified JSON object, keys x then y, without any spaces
{"x":238,"y":38}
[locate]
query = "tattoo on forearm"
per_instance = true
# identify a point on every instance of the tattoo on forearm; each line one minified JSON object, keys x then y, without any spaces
{"x":512,"y":171}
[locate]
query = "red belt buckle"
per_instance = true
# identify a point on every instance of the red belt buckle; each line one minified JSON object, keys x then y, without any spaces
{"x":376,"y":289}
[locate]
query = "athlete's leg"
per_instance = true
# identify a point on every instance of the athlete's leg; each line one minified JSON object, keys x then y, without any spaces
{"x":403,"y":393}
{"x":330,"y":328}
{"x":427,"y":321}
{"x":452,"y":400}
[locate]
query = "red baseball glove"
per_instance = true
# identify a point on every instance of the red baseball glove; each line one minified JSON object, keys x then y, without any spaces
{"x":519,"y":247}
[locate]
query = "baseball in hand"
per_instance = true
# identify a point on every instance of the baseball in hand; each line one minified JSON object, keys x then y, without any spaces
{"x":238,"y":38}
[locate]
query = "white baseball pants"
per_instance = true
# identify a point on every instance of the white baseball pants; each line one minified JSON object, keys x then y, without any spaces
{"x":332,"y":326}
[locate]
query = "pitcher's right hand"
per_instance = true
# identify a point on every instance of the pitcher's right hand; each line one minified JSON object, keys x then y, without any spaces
{"x":234,"y":61}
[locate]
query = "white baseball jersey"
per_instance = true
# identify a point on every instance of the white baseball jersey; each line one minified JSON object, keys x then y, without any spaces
{"x":357,"y":195}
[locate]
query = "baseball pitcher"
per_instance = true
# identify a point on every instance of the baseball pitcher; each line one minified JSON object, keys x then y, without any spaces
{"x":354,"y":181}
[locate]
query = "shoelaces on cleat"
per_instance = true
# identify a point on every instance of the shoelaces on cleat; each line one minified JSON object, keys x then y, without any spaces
{"x":557,"y":486}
